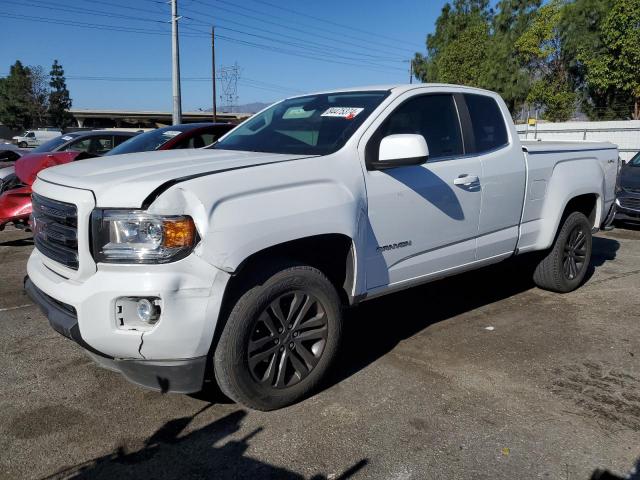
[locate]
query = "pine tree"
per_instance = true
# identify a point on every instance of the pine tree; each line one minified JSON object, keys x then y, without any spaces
{"x":15,"y":98}
{"x":59,"y":99}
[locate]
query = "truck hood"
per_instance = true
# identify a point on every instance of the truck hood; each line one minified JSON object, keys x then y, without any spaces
{"x":125,"y":181}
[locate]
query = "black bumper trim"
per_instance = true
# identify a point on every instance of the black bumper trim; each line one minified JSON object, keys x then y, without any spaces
{"x":62,"y":317}
{"x":177,"y":376}
{"x":166,"y":376}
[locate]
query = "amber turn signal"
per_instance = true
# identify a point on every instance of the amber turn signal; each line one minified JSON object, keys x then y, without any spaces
{"x":178,"y":233}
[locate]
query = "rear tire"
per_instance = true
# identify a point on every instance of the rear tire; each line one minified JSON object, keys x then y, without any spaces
{"x":564,"y":266}
{"x":280,"y":339}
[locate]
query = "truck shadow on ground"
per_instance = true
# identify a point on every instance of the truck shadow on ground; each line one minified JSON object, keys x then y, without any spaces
{"x":367,"y":329}
{"x":201,"y":453}
{"x":19,"y":242}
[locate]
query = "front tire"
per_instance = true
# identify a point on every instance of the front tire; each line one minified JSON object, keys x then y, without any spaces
{"x":564,"y":267}
{"x":23,"y":145}
{"x":280,"y":338}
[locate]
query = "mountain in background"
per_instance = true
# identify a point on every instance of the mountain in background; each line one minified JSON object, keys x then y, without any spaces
{"x":246,"y":108}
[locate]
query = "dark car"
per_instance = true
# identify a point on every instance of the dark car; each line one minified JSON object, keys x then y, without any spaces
{"x":95,"y":142}
{"x":628,"y":198}
{"x":188,"y":135}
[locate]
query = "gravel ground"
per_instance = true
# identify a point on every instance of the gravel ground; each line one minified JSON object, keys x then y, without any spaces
{"x":477,"y":376}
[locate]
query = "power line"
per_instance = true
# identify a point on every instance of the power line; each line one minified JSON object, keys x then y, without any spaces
{"x":341,"y":35}
{"x":258,"y":84}
{"x":330,"y":22}
{"x":302,"y":55}
{"x":57,"y":7}
{"x":321,"y":47}
{"x":316,"y":50}
{"x":315,"y":45}
{"x":317,"y":56}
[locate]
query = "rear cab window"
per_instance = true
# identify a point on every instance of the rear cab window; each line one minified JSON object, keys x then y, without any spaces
{"x":487,"y":123}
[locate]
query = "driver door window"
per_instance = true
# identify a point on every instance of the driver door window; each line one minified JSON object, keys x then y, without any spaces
{"x":435,"y":117}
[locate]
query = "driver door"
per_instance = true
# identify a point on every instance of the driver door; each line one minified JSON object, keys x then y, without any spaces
{"x":423,"y":219}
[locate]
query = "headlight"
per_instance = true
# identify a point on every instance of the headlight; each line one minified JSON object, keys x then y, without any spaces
{"x":134,"y":236}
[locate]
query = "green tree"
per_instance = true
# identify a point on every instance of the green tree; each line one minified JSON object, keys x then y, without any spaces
{"x":617,"y":64}
{"x":541,"y":51}
{"x":59,"y":99}
{"x":457,"y":50}
{"x":580,"y":28}
{"x":39,"y":95}
{"x":504,"y":73}
{"x":16,"y":110}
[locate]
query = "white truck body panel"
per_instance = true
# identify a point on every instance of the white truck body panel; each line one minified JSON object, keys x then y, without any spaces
{"x":406,"y":225}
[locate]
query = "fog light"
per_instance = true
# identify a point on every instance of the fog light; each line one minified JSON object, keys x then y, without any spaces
{"x":147,"y":310}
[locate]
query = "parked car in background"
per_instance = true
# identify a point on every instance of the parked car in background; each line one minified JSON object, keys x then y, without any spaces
{"x":188,"y":135}
{"x":9,"y":153}
{"x":33,"y":138}
{"x":628,"y":199}
{"x":15,"y":188}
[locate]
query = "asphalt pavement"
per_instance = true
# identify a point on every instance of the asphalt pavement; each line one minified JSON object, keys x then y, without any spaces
{"x":478,"y":376}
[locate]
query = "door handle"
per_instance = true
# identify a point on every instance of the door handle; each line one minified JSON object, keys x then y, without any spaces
{"x":466,"y":180}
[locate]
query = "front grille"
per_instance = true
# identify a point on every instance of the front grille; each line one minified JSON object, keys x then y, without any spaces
{"x":55,"y":230}
{"x":630,"y":202}
{"x":633,"y":190}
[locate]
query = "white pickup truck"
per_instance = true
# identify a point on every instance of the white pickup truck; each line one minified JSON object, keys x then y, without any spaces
{"x":235,"y":262}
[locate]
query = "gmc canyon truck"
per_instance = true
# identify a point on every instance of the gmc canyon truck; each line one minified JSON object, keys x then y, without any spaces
{"x":235,"y":262}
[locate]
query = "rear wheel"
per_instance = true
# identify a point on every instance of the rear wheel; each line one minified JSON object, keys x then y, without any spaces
{"x":280,"y":338}
{"x":564,"y":267}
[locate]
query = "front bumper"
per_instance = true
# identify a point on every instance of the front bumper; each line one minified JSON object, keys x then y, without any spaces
{"x":169,"y":355}
{"x":179,"y":376}
{"x":624,"y":212}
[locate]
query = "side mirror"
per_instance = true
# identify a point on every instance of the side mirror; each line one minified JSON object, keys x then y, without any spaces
{"x":401,"y":150}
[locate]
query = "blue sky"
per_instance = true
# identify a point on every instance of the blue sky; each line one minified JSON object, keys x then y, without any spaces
{"x":117,"y":53}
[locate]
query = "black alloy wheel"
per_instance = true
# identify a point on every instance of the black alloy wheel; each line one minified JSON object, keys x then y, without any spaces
{"x":281,"y":336}
{"x":288,"y":340}
{"x":575,"y":252}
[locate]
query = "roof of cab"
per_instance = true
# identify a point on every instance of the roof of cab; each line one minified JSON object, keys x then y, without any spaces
{"x":397,"y":88}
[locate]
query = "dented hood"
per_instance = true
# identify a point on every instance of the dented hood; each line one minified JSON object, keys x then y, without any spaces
{"x":125,"y":181}
{"x":27,"y":167}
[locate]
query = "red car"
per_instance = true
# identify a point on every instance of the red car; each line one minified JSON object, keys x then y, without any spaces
{"x":189,"y":135}
{"x":15,"y":201}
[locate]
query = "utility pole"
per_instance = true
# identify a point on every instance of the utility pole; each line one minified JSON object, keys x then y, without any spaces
{"x":175,"y":57}
{"x":213,"y":72}
{"x":410,"y":71}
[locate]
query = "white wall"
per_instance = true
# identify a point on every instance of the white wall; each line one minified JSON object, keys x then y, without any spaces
{"x":624,"y":133}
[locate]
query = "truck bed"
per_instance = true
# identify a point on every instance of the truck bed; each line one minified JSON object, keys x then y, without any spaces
{"x":538,"y":146}
{"x":552,"y":169}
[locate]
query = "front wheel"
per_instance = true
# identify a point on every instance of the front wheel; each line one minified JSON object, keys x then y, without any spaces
{"x":280,"y":338}
{"x":23,"y":145}
{"x":564,"y":267}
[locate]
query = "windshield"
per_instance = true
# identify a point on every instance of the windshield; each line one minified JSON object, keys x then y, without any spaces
{"x":149,"y":141}
{"x":312,"y":125}
{"x":53,"y":144}
{"x":635,"y":161}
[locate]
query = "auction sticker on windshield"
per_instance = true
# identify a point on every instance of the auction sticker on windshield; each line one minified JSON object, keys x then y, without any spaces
{"x":343,"y":112}
{"x":171,"y":133}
